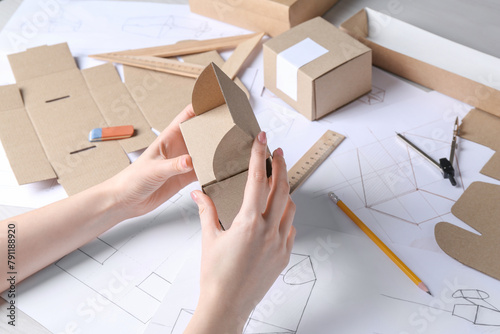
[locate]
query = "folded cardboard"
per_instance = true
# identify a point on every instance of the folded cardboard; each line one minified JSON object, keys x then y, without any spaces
{"x":316,"y":68}
{"x":219,"y":139}
{"x":432,"y":61}
{"x":477,"y":207}
{"x":46,"y":117}
{"x":271,"y":16}
{"x":483,"y":128}
{"x":160,"y":96}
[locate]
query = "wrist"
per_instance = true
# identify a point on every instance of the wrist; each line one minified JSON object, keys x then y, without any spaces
{"x":215,"y":316}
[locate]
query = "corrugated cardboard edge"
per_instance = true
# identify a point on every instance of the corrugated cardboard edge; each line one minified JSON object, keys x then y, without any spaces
{"x":478,"y":207}
{"x":451,"y":84}
{"x":20,"y":140}
{"x":484,"y":128}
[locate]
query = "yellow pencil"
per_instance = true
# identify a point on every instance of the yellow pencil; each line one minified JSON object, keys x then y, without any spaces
{"x":379,"y":243}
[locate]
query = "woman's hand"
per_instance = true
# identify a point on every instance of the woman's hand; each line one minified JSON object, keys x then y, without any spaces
{"x":160,"y":172}
{"x":241,"y":264}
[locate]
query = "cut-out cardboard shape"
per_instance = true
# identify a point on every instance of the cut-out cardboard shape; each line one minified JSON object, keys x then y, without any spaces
{"x":219,"y":139}
{"x":478,"y":207}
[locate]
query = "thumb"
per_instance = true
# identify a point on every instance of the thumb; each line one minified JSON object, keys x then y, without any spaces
{"x":174,"y":166}
{"x":210,"y":226}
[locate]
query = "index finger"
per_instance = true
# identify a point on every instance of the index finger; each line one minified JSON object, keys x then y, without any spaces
{"x":256,"y":189}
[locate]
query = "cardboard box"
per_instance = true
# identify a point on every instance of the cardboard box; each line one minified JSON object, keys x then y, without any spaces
{"x":430,"y":60}
{"x":270,"y":16}
{"x":316,"y":68}
{"x":219,"y":139}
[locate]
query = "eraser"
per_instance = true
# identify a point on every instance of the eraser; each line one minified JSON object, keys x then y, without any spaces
{"x":111,"y":133}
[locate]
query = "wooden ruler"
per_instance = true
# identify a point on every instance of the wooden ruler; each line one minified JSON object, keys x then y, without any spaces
{"x":156,"y":64}
{"x":313,"y":158}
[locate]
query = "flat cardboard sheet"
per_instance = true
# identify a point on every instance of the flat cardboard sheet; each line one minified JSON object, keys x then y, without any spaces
{"x":54,"y":106}
{"x":219,"y":140}
{"x":483,"y":128}
{"x":478,"y":207}
{"x":271,"y":16}
{"x":430,"y":60}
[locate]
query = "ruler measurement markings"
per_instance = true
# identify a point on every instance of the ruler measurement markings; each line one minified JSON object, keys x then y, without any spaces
{"x":313,"y":158}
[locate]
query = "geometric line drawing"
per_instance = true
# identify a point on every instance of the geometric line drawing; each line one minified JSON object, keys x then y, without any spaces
{"x":477,"y":311}
{"x":274,"y":315}
{"x":98,"y":250}
{"x":161,"y":26}
{"x":376,"y":95}
{"x":155,"y":286}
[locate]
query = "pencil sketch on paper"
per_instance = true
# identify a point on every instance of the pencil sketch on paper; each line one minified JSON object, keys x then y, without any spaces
{"x":144,"y":276}
{"x":274,"y":315}
{"x":377,"y":95}
{"x":160,"y":26}
{"x":475,"y":309}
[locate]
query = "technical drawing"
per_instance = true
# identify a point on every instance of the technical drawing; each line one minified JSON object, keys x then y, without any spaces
{"x":377,"y":95}
{"x":138,"y":280}
{"x":159,"y":27}
{"x":275,"y":315}
{"x":475,"y":308}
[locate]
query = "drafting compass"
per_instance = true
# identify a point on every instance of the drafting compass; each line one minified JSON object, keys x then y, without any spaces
{"x":444,"y":165}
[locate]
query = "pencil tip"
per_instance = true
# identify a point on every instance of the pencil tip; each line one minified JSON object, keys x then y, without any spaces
{"x":430,"y":294}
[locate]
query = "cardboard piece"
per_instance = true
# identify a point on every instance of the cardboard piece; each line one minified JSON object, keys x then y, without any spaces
{"x":478,"y":207}
{"x":429,"y":60}
{"x":271,"y":16}
{"x":483,"y":128}
{"x":219,"y":139}
{"x":316,"y":68}
{"x":161,"y":96}
{"x":47,"y":115}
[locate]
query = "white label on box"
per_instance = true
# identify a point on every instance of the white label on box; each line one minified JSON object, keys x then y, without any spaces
{"x":290,"y":60}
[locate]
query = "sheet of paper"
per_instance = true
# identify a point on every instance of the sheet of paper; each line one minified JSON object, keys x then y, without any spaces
{"x":336,"y":281}
{"x":118,"y":280}
{"x":397,"y":194}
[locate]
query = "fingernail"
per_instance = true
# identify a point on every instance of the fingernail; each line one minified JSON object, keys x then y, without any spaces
{"x":262,"y":137}
{"x":278,"y":152}
{"x":194,"y":196}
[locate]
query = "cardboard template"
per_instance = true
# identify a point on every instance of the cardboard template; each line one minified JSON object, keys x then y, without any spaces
{"x":271,"y":16}
{"x":47,"y":115}
{"x":316,"y":68}
{"x":483,"y":128}
{"x":432,"y":61}
{"x":478,"y":207}
{"x":219,"y":139}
